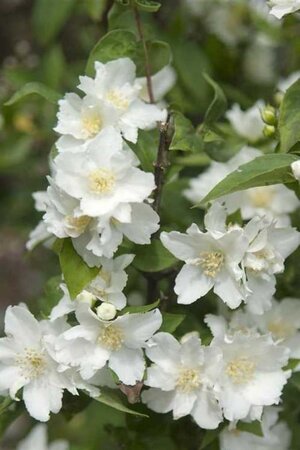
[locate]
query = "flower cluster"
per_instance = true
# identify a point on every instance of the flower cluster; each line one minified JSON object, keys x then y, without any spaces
{"x":96,"y":193}
{"x":96,"y":196}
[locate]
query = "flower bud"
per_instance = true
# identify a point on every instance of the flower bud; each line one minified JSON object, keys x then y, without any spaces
{"x":278,"y":97}
{"x":296,"y":169}
{"x":269,"y":131}
{"x":106,"y":311}
{"x":268,"y":115}
{"x":86,"y":297}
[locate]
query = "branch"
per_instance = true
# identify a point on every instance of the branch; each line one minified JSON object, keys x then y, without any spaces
{"x":146,"y":54}
{"x":161,"y":162}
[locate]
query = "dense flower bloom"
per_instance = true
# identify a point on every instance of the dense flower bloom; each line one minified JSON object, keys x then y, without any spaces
{"x":275,"y":201}
{"x":269,"y":246}
{"x":37,"y":439}
{"x":283,"y":322}
{"x":92,"y":343}
{"x":276,"y":435}
{"x":212,"y":259}
{"x":112,"y":99}
{"x":252,"y":374}
{"x":104,"y":176}
{"x":28,"y":362}
{"x":280,"y":8}
{"x":182,"y":379}
{"x":248,"y":124}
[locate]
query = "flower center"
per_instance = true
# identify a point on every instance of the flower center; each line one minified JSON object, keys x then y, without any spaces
{"x":102,"y":181}
{"x":280,"y":329}
{"x":240,"y":370}
{"x":32,"y":363}
{"x":79,"y":224}
{"x":117,"y":99}
{"x":111,"y":337}
{"x":92,"y":124}
{"x":188,"y":380}
{"x":261,"y":197}
{"x":211,"y":263}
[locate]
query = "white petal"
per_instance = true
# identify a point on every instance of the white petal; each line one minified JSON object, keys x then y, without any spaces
{"x":21,"y":324}
{"x":128,"y":364}
{"x":206,"y":411}
{"x":158,"y":400}
{"x":191,"y":284}
{"x":41,"y":398}
{"x":138,"y":328}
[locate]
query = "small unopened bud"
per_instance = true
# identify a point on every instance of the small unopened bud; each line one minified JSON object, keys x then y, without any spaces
{"x":268,"y":115}
{"x":278,"y":97}
{"x":296,"y":169}
{"x":106,"y":311}
{"x":86,"y":297}
{"x":269,"y":131}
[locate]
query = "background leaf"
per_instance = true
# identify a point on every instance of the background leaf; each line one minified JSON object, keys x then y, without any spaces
{"x":112,"y":398}
{"x":262,"y":171}
{"x":289,"y":118}
{"x":77,"y":274}
{"x":218,"y":105}
{"x":34,"y":88}
{"x":153,"y":258}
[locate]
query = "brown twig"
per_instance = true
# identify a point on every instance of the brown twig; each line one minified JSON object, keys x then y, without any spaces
{"x":146,"y":54}
{"x":161,"y":162}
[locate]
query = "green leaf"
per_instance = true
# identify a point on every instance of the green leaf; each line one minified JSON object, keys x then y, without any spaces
{"x":218,"y":105}
{"x":49,"y":17}
{"x":185,"y":136}
{"x":140,"y":309}
{"x":115,"y":44}
{"x":77,"y":274}
{"x":53,"y":294}
{"x":292,"y":364}
{"x":251,"y":427}
{"x":95,"y":8}
{"x":289,"y":118}
{"x":112,"y":398}
{"x":34,"y":88}
{"x":295,"y":380}
{"x":148,"y":5}
{"x":153,"y":258}
{"x":171,"y":322}
{"x":209,"y":437}
{"x":262,"y":171}
{"x":146,"y":148}
{"x":159,"y":56}
{"x":122,"y":43}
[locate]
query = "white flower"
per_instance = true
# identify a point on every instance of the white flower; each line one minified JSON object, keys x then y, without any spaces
{"x":280,"y":8}
{"x":285,"y":83}
{"x":103,"y":177}
{"x":107,"y":287}
{"x":136,"y":221}
{"x":162,"y":83}
{"x":283,"y":322}
{"x":27,"y":361}
{"x":275,"y":201}
{"x":115,"y":87}
{"x":296,"y":169}
{"x":252,"y":374}
{"x":91,"y":237}
{"x":247,"y":124}
{"x":211,"y":259}
{"x":268,"y":247}
{"x":37,"y":439}
{"x":182,"y":379}
{"x":119,"y":342}
{"x":276,"y":435}
{"x":82,"y":119}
